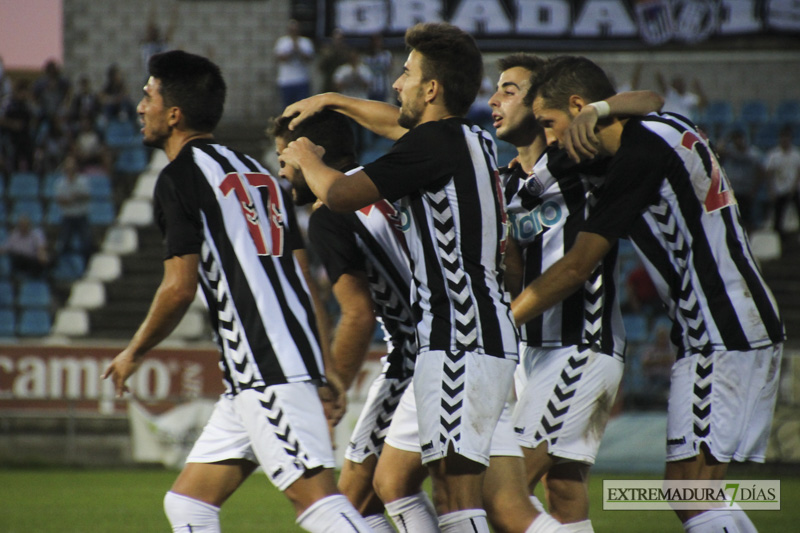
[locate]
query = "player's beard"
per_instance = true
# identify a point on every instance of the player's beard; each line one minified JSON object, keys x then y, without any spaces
{"x":411,"y":111}
{"x":301,"y":192}
{"x":157,"y":139}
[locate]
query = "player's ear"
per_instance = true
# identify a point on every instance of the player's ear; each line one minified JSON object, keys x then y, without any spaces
{"x":433,"y":90}
{"x":576,"y":103}
{"x":174,"y":115}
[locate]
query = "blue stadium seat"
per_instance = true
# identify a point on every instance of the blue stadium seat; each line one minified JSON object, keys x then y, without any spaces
{"x":23,"y":186}
{"x":8,"y":323}
{"x":6,"y":295}
{"x":717,"y":115}
{"x":121,"y":133}
{"x":53,"y":215}
{"x":100,"y":187}
{"x":34,"y":294}
{"x":635,"y":327}
{"x":49,"y":185}
{"x":34,"y":323}
{"x":69,"y":267}
{"x":101,"y":213}
{"x":754,"y":112}
{"x":5,"y":267}
{"x":787,"y":111}
{"x":32,"y":208}
{"x":131,"y":160}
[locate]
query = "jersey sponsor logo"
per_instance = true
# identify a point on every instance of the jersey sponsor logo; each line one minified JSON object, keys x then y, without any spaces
{"x":240,"y":184}
{"x":720,"y":193}
{"x":404,"y":218}
{"x":525,"y":227}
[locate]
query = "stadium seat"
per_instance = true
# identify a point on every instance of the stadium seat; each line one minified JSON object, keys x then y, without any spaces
{"x":787,"y":111}
{"x":49,"y":185}
{"x":34,"y":323}
{"x":717,"y":115}
{"x":8,"y":323}
{"x":23,"y":186}
{"x":5,"y":267}
{"x":131,"y":160}
{"x":100,"y":187}
{"x":32,"y":208}
{"x":754,"y":112}
{"x":101,"y":213}
{"x":34,"y":294}
{"x":104,"y":267}
{"x":136,"y":212}
{"x":635,"y":327}
{"x":69,"y":267}
{"x":120,"y":133}
{"x":53,"y":215}
{"x":6,"y":295}
{"x":71,"y":322}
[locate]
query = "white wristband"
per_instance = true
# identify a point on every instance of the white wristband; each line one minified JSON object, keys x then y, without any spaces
{"x":602,"y":108}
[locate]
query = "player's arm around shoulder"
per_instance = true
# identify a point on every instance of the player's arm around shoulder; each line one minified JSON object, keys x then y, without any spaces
{"x":173,"y":297}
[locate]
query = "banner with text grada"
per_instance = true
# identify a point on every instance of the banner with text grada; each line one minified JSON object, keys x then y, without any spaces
{"x":553,"y":24}
{"x":54,"y":378}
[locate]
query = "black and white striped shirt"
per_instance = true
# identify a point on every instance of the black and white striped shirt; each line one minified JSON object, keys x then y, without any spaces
{"x":227,"y":208}
{"x":546,"y":210}
{"x":666,"y":191}
{"x":370,"y":240}
{"x":443,"y":177}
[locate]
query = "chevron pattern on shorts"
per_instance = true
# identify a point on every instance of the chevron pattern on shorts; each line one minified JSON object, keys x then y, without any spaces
{"x":701,"y":408}
{"x":284,"y":433}
{"x":384,"y":418}
{"x":229,"y":331}
{"x":593,"y":308}
{"x":688,"y":304}
{"x":560,"y":401}
{"x":464,"y":318}
{"x":453,"y":385}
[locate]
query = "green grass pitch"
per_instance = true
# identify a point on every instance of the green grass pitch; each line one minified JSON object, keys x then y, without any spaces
{"x":41,"y":500}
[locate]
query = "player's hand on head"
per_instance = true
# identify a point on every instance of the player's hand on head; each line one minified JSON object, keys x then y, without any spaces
{"x":299,"y":149}
{"x":305,"y":108}
{"x":120,"y":369}
{"x":580,"y":140}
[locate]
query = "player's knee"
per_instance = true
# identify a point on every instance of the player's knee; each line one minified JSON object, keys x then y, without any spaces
{"x":188,"y":514}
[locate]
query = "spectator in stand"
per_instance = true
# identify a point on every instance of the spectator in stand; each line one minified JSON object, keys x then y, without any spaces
{"x":333,"y":55}
{"x":72,"y":195}
{"x":89,"y":148}
{"x":744,"y":166}
{"x":27,"y":249}
{"x":295,"y":54}
{"x":155,"y":41}
{"x":52,"y":144}
{"x":16,"y":129}
{"x":679,"y":99}
{"x":379,"y":60}
{"x":115,"y":101}
{"x":85,"y":103}
{"x":783,"y":171}
{"x":354,"y":79}
{"x":51,"y":94}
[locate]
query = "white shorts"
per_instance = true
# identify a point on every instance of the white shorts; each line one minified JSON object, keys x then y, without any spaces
{"x":564,"y":398}
{"x":373,"y":422}
{"x":283,"y":429}
{"x":404,"y":431}
{"x":725,"y":400}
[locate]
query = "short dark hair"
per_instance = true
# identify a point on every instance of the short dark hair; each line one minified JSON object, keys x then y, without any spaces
{"x":451,"y":57}
{"x":194,"y":84}
{"x":328,"y":129}
{"x":565,"y":76}
{"x":524,"y":60}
